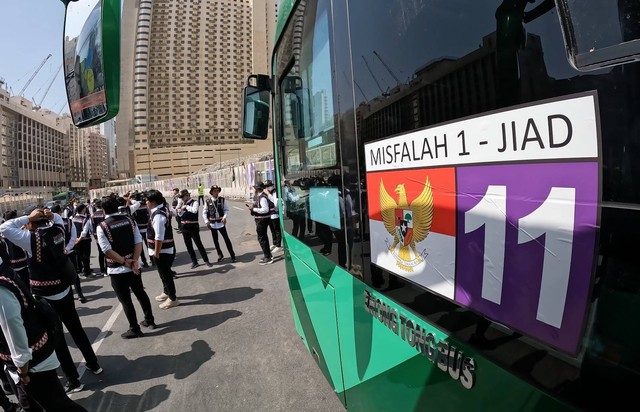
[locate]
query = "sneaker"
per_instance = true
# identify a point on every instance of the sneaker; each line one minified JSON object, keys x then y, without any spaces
{"x":147,"y":324}
{"x":195,"y":265}
{"x":97,"y":370}
{"x":272,"y":247}
{"x":168,"y":304}
{"x":82,"y":299}
{"x":132,"y":334}
{"x":233,"y":260}
{"x":209,"y":264}
{"x":221,"y":258}
{"x":162,"y":297}
{"x":266,"y":261}
{"x":145,"y":265}
{"x":276,"y":249}
{"x":73,"y":387}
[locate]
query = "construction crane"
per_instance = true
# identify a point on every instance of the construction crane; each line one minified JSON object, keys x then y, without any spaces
{"x":34,"y":75}
{"x":387,"y":67}
{"x":39,"y":105}
{"x":384,"y":93}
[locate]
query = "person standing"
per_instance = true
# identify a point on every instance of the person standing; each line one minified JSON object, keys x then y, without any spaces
{"x":70,"y":237}
{"x":261,"y":210}
{"x":83,"y":242}
{"x":18,"y":255}
{"x":119,"y":237}
{"x":274,"y":222}
{"x":44,"y":243}
{"x":26,"y":348}
{"x":191,"y":228}
{"x":161,"y":247}
{"x":175,"y":202}
{"x":200,"y":194}
{"x":141,"y":217}
{"x":96,"y":217}
{"x":215,"y":215}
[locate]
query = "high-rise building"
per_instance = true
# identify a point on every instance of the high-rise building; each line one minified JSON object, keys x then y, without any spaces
{"x":75,"y":154}
{"x":32,"y":145}
{"x":184,"y":65}
{"x":96,"y":145}
{"x":108,"y":129}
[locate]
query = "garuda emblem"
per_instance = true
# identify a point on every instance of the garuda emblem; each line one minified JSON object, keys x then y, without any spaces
{"x":407,"y":223}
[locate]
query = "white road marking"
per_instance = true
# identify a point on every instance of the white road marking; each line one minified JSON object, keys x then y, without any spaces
{"x":100,"y":338}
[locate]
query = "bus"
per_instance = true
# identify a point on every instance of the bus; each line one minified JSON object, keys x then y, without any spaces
{"x":459,"y":201}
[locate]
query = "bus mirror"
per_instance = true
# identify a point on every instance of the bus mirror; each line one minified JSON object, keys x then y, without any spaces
{"x":600,"y":33}
{"x":91,"y":48}
{"x":255,"y":114}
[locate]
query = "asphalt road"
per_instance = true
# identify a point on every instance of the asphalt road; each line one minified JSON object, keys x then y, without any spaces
{"x":230,"y":346}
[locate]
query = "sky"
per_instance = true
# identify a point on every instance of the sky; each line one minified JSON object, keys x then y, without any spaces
{"x":30,"y":30}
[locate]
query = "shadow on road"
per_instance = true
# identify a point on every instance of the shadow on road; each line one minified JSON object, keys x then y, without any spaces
{"x":232,"y":295}
{"x":113,"y":401}
{"x":198,"y":322}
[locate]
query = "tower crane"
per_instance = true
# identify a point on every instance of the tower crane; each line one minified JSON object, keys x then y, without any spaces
{"x":374,"y":77}
{"x":39,"y":105}
{"x":387,"y":67}
{"x":34,"y":75}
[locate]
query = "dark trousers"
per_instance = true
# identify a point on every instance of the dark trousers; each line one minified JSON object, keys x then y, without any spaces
{"x":66,"y":309}
{"x":227,"y":241}
{"x":262,"y":225}
{"x":83,"y":256}
{"x":276,"y":233}
{"x":191,"y":236}
{"x":125,"y":283}
{"x":164,"y":263}
{"x":102,"y":259}
{"x":146,"y":245}
{"x":299,"y":225}
{"x":66,"y":361}
{"x":76,"y":282}
{"x":46,"y":390}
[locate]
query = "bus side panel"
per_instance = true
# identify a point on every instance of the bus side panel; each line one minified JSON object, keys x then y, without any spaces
{"x":383,"y":371}
{"x":314,"y":311}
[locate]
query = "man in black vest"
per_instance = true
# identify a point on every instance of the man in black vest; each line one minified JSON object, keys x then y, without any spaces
{"x":174,"y":204}
{"x":188,"y":213}
{"x":31,"y":348}
{"x":261,"y":210}
{"x":96,"y":217}
{"x":141,"y":216}
{"x":70,"y":237}
{"x":44,"y":244}
{"x":83,"y":242}
{"x":119,"y":237}
{"x":215,"y":214}
{"x":17,"y":254}
{"x":161,"y":247}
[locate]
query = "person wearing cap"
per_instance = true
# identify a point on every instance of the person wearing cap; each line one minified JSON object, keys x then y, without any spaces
{"x":161,"y":247}
{"x":215,"y":215}
{"x":191,"y":228}
{"x":261,"y":210}
{"x":45,"y":247}
{"x":119,"y":237}
{"x":274,"y":222}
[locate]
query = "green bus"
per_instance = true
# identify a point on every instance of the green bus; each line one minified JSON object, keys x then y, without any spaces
{"x":458,"y":198}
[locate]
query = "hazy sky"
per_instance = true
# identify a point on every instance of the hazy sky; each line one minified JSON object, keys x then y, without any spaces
{"x":30,"y":30}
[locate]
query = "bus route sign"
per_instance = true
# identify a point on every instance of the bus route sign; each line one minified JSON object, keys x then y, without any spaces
{"x":498,"y":213}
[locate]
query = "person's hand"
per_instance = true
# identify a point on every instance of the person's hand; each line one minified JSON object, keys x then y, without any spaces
{"x":135,"y":267}
{"x":208,"y":225}
{"x":36,"y":215}
{"x":48,"y":214}
{"x":224,"y":220}
{"x":23,"y":372}
{"x":156,"y":255}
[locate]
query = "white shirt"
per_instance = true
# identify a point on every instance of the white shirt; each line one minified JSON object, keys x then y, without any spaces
{"x":13,"y":329}
{"x":158,"y":223}
{"x":273,"y":196}
{"x":12,"y":230}
{"x":105,"y":245}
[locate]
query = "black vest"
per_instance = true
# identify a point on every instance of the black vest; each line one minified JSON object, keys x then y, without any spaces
{"x":213,"y":206}
{"x":119,"y":232}
{"x":97,"y":217}
{"x":67,"y":223}
{"x":167,"y":243}
{"x":47,"y":245}
{"x":79,"y":222}
{"x":189,"y":220}
{"x":17,"y":255}
{"x":38,"y":339}
{"x":141,"y":217}
{"x":257,"y":205}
